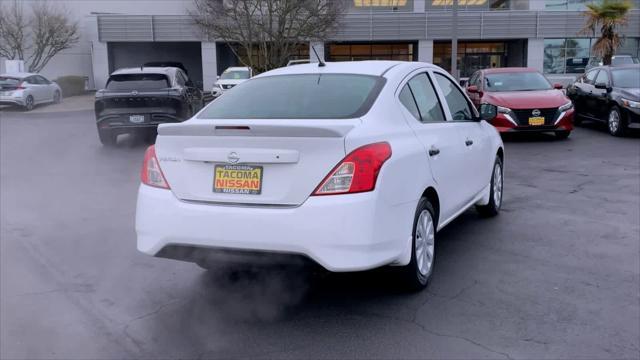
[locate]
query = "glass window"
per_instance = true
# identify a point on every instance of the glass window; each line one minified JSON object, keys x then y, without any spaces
{"x":382,"y":5}
{"x":590,"y":77}
{"x":235,"y":75}
{"x":515,"y":81}
{"x":426,"y":98}
{"x":457,"y":102}
{"x":180,"y":80}
{"x":406,"y":98}
{"x":9,"y":82}
{"x":603,"y":77}
{"x":300,"y":96}
{"x":42,"y":80}
{"x":626,"y":78}
{"x":138,"y":82}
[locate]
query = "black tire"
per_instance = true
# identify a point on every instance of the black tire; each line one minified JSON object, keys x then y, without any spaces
{"x":561,"y":135}
{"x":107,"y":138}
{"x":56,"y":97}
{"x":28,"y":103}
{"x":415,"y":275}
{"x":495,"y":202}
{"x":150,"y":136}
{"x":619,"y":127}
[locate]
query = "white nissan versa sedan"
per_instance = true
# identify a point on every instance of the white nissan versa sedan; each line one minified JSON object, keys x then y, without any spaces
{"x":354,"y":165}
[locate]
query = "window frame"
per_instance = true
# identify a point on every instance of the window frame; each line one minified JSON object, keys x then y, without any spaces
{"x":405,"y":82}
{"x":606,"y":73}
{"x":596,"y":71}
{"x":474,"y":112}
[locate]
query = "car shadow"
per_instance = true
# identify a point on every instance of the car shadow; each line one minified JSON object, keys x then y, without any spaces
{"x":602,"y":127}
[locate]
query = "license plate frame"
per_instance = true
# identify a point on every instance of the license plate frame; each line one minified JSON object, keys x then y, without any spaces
{"x":136,"y":119}
{"x":536,"y":121}
{"x":225,"y":177}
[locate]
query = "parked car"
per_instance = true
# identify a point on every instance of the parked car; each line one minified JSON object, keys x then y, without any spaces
{"x":231,"y":77}
{"x":175,"y":64}
{"x":28,"y":90}
{"x":525,"y":99}
{"x":616,"y":60}
{"x":353,"y":165}
{"x":137,"y":100}
{"x":608,"y":94}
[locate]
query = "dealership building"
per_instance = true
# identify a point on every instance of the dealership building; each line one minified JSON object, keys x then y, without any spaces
{"x":542,"y":34}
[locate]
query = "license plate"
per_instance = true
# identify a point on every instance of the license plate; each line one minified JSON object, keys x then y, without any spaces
{"x":237,"y":179}
{"x":536,"y":121}
{"x":136,"y":119}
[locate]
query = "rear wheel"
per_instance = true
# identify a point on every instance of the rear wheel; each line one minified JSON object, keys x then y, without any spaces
{"x":28,"y":103}
{"x":615,"y":122}
{"x":418,"y":272}
{"x":107,"y":138}
{"x":495,"y":195}
{"x":561,"y":135}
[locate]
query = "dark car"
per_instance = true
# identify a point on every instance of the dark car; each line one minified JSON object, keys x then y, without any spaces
{"x":176,"y":64}
{"x":608,"y":94}
{"x":137,"y":100}
{"x":524,"y":99}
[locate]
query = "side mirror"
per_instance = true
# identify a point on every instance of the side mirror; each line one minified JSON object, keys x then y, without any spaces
{"x":488,"y":112}
{"x":558,"y":86}
{"x":472,"y":89}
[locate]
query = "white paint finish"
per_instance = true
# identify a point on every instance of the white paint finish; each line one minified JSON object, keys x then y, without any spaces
{"x":535,"y":53}
{"x":341,"y":232}
{"x":209,"y":65}
{"x":425,"y":51}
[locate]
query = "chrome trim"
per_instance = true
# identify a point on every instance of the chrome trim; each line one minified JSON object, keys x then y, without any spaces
{"x":508,"y":116}
{"x":559,"y":118}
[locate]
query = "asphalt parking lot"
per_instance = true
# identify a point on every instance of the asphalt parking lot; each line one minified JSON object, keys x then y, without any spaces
{"x":556,"y":275}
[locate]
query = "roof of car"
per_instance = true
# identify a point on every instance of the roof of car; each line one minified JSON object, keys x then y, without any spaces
{"x":367,"y":67}
{"x":146,"y":70}
{"x":19,"y":75}
{"x":509,"y":70}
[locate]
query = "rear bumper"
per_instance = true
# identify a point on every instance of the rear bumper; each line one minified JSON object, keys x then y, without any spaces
{"x":11,"y":101}
{"x":341,"y":233}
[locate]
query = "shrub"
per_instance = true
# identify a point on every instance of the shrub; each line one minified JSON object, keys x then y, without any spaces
{"x":71,"y":85}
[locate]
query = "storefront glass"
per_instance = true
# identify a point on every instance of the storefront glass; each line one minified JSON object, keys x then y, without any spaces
{"x":472,"y":56}
{"x":571,"y":56}
{"x":371,"y":51}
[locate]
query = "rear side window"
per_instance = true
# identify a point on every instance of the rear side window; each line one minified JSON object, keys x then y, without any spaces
{"x":140,"y":82}
{"x":426,"y":98}
{"x":300,"y":96}
{"x":457,"y":102}
{"x":590,"y":77}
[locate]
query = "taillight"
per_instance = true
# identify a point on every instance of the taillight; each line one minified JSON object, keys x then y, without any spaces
{"x":20,"y":87}
{"x":151,"y":173}
{"x":357,"y":172}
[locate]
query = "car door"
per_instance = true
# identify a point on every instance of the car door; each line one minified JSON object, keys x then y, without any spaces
{"x":45,"y":87}
{"x":441,"y":141}
{"x":584,"y":89}
{"x":600,"y":97}
{"x":478,"y":159}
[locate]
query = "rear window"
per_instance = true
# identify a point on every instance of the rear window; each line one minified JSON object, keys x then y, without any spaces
{"x":235,"y":75}
{"x":8,"y":82}
{"x":300,"y":96}
{"x":140,"y":82}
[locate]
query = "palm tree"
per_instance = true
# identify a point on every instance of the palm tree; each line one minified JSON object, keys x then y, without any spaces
{"x":609,"y":15}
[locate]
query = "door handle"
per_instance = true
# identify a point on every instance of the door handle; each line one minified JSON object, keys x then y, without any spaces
{"x":468,"y":142}
{"x":434,"y":151}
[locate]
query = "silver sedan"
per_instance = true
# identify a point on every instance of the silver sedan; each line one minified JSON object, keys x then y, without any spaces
{"x":28,"y":90}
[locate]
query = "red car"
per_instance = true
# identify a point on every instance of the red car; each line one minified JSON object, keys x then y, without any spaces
{"x":525,"y":100}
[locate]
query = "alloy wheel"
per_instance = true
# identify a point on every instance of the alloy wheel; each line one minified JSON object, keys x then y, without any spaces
{"x":29,"y":103}
{"x":497,"y":185}
{"x":425,"y":242}
{"x":614,"y":121}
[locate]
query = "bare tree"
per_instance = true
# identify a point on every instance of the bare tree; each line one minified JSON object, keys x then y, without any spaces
{"x":35,"y":37}
{"x":263,"y":34}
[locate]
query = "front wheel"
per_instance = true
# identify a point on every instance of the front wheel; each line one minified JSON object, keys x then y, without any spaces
{"x":615,"y":122}
{"x":418,"y":272}
{"x":495,"y":194}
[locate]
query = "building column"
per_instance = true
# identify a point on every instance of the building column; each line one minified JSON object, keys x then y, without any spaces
{"x":209,"y":65}
{"x":535,"y":53}
{"x":319,"y":46}
{"x":425,"y":51}
{"x":99,"y":55}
